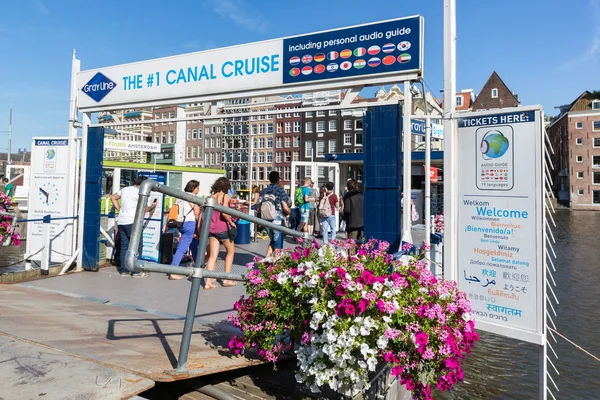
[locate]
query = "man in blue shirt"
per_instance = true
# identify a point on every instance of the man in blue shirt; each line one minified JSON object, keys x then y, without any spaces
{"x":304,"y":207}
{"x":283,"y":203}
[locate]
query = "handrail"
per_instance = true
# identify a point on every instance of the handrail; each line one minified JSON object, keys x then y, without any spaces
{"x":196,"y":273}
{"x":50,"y":219}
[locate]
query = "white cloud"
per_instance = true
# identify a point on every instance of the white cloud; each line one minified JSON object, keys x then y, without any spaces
{"x":236,"y":11}
{"x":41,"y":7}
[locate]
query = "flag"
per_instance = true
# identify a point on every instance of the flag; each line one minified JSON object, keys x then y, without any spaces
{"x":346,"y":53}
{"x":433,"y":174}
{"x":404,"y":58}
{"x":332,"y":55}
{"x":295,"y":60}
{"x":358,"y":64}
{"x":320,"y":57}
{"x":403,"y":46}
{"x":388,"y":48}
{"x":307,"y":59}
{"x":332,"y":67}
{"x":346,"y":65}
{"x":294,"y":71}
{"x":360,"y":51}
{"x":389,"y":60}
{"x":373,"y":50}
{"x":306,"y":70}
{"x":319,"y":69}
{"x":374,"y":62}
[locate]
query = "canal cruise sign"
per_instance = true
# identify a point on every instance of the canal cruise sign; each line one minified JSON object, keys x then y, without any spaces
{"x":501,"y":220}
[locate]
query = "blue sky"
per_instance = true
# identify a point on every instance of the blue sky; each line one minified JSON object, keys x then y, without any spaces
{"x":548,"y":52}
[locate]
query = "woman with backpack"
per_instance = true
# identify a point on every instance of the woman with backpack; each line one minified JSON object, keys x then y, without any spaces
{"x":189,"y":215}
{"x":221,"y":230}
{"x":328,"y":206}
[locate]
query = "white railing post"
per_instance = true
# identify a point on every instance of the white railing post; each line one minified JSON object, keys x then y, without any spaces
{"x":46,"y":253}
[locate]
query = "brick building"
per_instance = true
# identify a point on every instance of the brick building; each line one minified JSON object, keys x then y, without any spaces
{"x":262,"y":133}
{"x":495,"y":94}
{"x":575,"y":137}
{"x":288,"y":131}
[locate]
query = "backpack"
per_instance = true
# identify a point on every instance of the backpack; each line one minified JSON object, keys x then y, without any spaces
{"x":298,"y":197}
{"x":175,"y":219}
{"x":268,"y":211}
{"x":325,"y":210}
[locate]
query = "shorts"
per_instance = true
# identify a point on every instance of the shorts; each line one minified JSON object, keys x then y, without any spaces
{"x":311,"y":217}
{"x":304,"y":214}
{"x":275,"y":235}
{"x":221,"y":236}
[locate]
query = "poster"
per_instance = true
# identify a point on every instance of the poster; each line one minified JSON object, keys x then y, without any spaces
{"x":153,"y":222}
{"x":500,"y":220}
{"x":48,"y":190}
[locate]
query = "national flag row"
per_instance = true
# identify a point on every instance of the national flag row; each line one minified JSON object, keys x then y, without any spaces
{"x":358,"y":52}
{"x":346,"y":65}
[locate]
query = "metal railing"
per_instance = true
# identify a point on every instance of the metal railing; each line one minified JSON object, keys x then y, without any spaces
{"x":197,"y":272}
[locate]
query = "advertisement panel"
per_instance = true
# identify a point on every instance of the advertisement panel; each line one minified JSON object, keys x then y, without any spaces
{"x":48,"y":189}
{"x":384,"y":48}
{"x":153,"y":221}
{"x":124,"y":145}
{"x":500,"y":220}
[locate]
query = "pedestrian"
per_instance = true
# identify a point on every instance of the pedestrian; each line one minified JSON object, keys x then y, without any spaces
{"x":303,"y":199}
{"x":328,"y":207}
{"x":191,"y":215}
{"x":126,"y":209}
{"x":8,"y":188}
{"x":254,"y":195}
{"x":353,"y":214}
{"x":274,"y":204}
{"x":312,"y":215}
{"x":219,"y":233}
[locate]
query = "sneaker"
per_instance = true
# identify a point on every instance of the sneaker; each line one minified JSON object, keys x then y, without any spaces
{"x":141,"y":275}
{"x":123,"y":273}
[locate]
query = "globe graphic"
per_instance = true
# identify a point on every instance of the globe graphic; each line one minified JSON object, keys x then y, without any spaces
{"x":50,"y":154}
{"x":494,"y":145}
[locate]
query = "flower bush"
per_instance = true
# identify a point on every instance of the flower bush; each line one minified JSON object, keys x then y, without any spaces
{"x":6,"y":222}
{"x":238,"y":206}
{"x":349,"y":309}
{"x":437,"y":223}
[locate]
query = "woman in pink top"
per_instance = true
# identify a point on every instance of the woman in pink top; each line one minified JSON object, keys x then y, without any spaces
{"x":219,"y":233}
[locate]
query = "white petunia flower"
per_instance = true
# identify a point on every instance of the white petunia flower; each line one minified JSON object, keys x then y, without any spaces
{"x":331,"y":303}
{"x":377,"y":286}
{"x":382,"y":342}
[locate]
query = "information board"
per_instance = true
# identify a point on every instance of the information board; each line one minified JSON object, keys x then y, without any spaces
{"x":153,"y":221}
{"x":500,"y":220}
{"x":48,"y":196}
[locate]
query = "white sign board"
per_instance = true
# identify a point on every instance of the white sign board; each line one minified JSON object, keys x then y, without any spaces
{"x":123,"y":145}
{"x":48,"y":196}
{"x":369,"y":53}
{"x":500,"y":220}
{"x":153,"y":221}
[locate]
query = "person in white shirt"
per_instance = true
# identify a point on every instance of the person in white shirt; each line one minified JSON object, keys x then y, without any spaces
{"x":129,"y":198}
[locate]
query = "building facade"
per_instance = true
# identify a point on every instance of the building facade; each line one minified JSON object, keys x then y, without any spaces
{"x":495,"y":94}
{"x":136,"y":131}
{"x":575,"y":137}
{"x":288,"y":131}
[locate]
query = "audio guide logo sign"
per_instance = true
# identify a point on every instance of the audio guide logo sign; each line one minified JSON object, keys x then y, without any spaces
{"x":495,"y":161}
{"x":98,"y":87}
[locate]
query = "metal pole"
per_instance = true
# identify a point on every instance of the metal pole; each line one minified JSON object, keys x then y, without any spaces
{"x":73,"y":153}
{"x":193,"y":301}
{"x":82,"y":178}
{"x":407,"y":167}
{"x":8,"y":161}
{"x":428,"y":185}
{"x":46,"y":254}
{"x":450,"y":142}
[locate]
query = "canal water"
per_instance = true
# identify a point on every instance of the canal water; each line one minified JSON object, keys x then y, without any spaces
{"x":502,"y":368}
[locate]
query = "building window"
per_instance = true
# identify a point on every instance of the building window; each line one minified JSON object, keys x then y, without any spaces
{"x":596,"y":178}
{"x":279,"y":127}
{"x":206,"y":143}
{"x":278,"y":157}
{"x":171,"y":137}
{"x":261,"y":157}
{"x":579,"y":159}
{"x":164,"y":137}
{"x":288,"y":142}
{"x":596,"y":197}
{"x":262,"y":129}
{"x":347,"y":139}
{"x":278,"y":142}
{"x":332,"y":146}
{"x":288,"y":157}
{"x":320,"y":126}
{"x":188,"y":153}
{"x":193,"y":151}
{"x":296,"y":114}
{"x":288,"y":115}
{"x":358,"y":150}
{"x":579,"y":141}
{"x":254,"y":129}
{"x":288,"y":127}
{"x":595,"y":161}
{"x":579,"y":125}
{"x":296,"y":126}
{"x":296,"y":141}
{"x":199,"y":152}
{"x":596,"y":126}
{"x":332,"y":112}
{"x":332,"y":125}
{"x":270,"y":127}
{"x":494,"y":93}
{"x":200,"y":133}
{"x":580,"y":175}
{"x":320,"y":148}
{"x":261,"y":143}
{"x":308,"y":114}
{"x":296,"y":156}
{"x":358,"y":125}
{"x":348,"y":125}
{"x":261,"y":116}
{"x":156,"y":139}
{"x":287,"y":173}
{"x":597,"y":142}
{"x":308,"y":149}
{"x":269,"y":156}
{"x":581,"y":192}
{"x":320,"y":113}
{"x":270,"y":143}
{"x":194,"y":134}
{"x":596,"y":105}
{"x":358,"y":139}
{"x":459,"y":101}
{"x":261,"y":174}
{"x":189,"y":134}
{"x":347,"y":150}
{"x":309,"y":127}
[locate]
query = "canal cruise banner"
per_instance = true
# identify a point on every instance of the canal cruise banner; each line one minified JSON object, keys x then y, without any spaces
{"x":500,"y":220}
